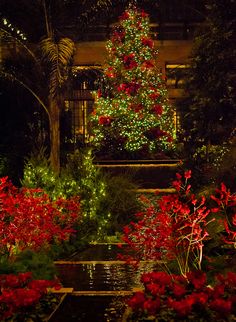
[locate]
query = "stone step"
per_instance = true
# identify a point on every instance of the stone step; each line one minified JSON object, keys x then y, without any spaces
{"x":148,"y":174}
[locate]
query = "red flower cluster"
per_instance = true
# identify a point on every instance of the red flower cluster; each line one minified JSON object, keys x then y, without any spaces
{"x":157,"y":109}
{"x":136,"y":107}
{"x":171,"y":228}
{"x":129,"y":61}
{"x":110,"y":73}
{"x":118,"y":36}
{"x":172,"y":297}
{"x":29,"y":219}
{"x":104,"y":120}
{"x":154,"y":96}
{"x":147,"y":42}
{"x":147,"y":64}
{"x":124,"y":16}
{"x":226,"y":203}
{"x":175,"y":226}
{"x":20,"y":291}
{"x":129,"y":88}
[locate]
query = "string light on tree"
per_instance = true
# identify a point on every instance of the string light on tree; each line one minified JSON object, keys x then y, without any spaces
{"x":10,"y":28}
{"x":132,"y":114}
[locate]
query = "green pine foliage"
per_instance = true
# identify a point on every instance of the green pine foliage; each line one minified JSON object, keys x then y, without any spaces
{"x":132,"y":116}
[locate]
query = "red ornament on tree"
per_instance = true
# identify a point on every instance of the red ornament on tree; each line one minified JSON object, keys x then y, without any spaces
{"x":129,"y":61}
{"x":132,"y":88}
{"x":121,"y":87}
{"x":104,"y":120}
{"x":144,"y":14}
{"x":147,"y":64}
{"x":136,"y":107}
{"x":124,"y":16}
{"x":157,"y":109}
{"x":118,"y":36}
{"x":99,"y":93}
{"x":147,"y":42}
{"x":154,"y":96}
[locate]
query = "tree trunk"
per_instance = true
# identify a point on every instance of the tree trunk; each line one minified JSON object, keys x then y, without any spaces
{"x":54,"y":135}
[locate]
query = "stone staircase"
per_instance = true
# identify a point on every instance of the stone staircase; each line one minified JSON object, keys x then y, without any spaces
{"x":150,"y":175}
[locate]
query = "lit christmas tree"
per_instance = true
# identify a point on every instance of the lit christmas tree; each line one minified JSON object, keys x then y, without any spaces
{"x":132,"y":117}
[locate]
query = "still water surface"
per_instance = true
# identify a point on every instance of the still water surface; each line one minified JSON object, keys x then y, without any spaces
{"x":103,"y":271}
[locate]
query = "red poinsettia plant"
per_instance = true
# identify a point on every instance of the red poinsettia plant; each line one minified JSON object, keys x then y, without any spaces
{"x":20,"y":292}
{"x":173,"y":298}
{"x":173,"y":228}
{"x":29,"y":219}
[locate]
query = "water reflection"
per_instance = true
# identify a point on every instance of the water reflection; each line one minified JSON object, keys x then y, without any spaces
{"x":101,"y":272}
{"x":103,"y":277}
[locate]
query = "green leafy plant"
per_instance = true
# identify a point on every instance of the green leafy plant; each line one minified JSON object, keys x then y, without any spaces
{"x":107,"y":202}
{"x":40,"y":264}
{"x":39,"y":174}
{"x":120,"y":202}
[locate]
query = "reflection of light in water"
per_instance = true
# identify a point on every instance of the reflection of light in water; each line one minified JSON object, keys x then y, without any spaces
{"x":90,"y":269}
{"x":122,"y":276}
{"x":109,"y":275}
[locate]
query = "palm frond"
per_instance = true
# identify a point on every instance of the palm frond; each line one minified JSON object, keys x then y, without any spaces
{"x":58,"y":55}
{"x":66,"y":48}
{"x":49,"y":50}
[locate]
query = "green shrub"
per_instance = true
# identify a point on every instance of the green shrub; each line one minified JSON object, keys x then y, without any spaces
{"x":107,"y":202}
{"x":39,"y":174}
{"x":120,"y":202}
{"x":39,"y":263}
